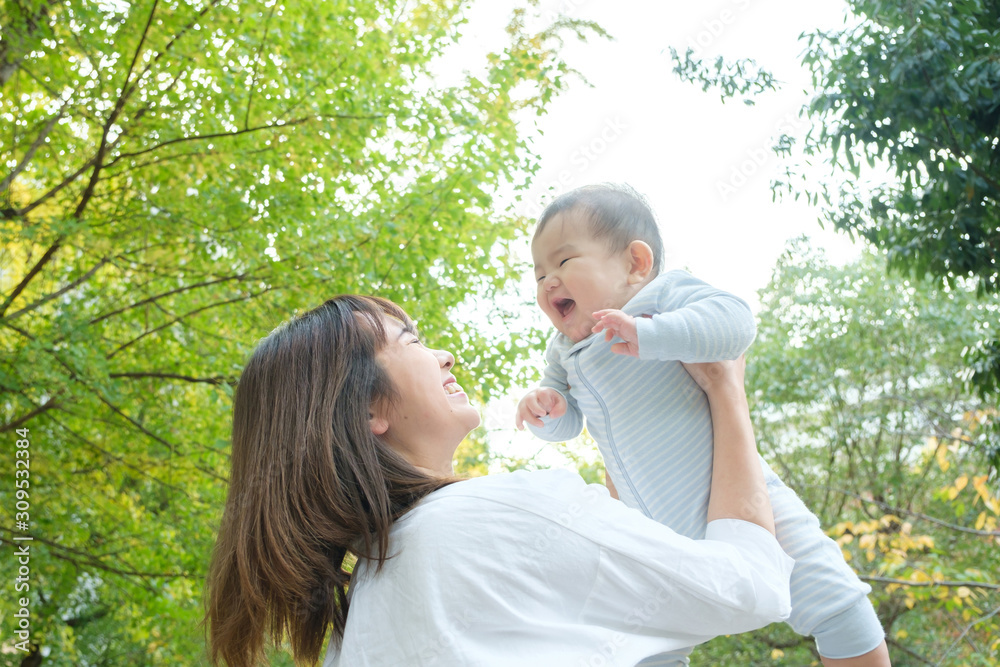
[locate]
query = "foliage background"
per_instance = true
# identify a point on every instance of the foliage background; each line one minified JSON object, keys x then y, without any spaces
{"x":180,"y":177}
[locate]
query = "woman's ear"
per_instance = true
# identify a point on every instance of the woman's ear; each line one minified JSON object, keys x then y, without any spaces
{"x":640,"y":262}
{"x":379,"y":424}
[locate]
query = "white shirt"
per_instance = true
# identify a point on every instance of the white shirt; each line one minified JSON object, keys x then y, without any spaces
{"x":539,"y":568}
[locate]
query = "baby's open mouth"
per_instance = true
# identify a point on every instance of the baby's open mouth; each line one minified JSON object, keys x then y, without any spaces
{"x":564,"y":306}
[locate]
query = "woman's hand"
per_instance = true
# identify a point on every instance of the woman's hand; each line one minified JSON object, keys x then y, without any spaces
{"x":712,"y":376}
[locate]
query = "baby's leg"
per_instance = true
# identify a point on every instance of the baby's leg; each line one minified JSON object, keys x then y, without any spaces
{"x":828,"y":600}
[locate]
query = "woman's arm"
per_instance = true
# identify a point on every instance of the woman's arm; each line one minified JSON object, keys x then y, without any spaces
{"x":738,"y":488}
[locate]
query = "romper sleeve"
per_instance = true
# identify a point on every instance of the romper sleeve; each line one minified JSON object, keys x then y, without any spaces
{"x":695,"y":322}
{"x":554,"y":376}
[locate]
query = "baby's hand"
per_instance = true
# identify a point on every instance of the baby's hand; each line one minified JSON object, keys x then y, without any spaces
{"x":539,"y":403}
{"x":616,"y":323}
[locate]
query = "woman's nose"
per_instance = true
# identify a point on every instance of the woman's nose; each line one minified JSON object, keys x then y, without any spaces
{"x":446,"y":358}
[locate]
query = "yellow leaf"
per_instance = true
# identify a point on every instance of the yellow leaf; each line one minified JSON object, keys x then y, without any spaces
{"x":910,"y":602}
{"x":981,"y":521}
{"x":777,"y":654}
{"x":961,"y":482}
{"x":847,"y":554}
{"x":942,"y":461}
{"x":963,"y":592}
{"x":867,"y":541}
{"x":902,"y":634}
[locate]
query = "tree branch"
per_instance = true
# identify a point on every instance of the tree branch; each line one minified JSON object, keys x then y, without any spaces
{"x":41,"y":409}
{"x":253,"y":81}
{"x":45,"y":197}
{"x":169,"y":445}
{"x":7,"y":64}
{"x":217,"y":380}
{"x":965,"y":631}
{"x":910,"y":652}
{"x":76,"y":283}
{"x":32,"y":273}
{"x":112,"y":117}
{"x":180,"y":318}
{"x":121,"y":460}
{"x":238,"y":277}
{"x":35,"y":145}
{"x":82,"y":557}
{"x":236,"y":133}
{"x":929,"y":584}
{"x":917,"y":515}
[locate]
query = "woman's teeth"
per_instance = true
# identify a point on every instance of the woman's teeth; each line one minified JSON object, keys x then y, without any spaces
{"x":452,"y":388}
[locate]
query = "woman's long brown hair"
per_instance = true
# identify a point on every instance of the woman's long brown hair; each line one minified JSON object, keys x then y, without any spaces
{"x":309,"y":484}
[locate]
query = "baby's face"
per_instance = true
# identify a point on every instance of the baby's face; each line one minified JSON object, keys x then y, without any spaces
{"x":577,"y":275}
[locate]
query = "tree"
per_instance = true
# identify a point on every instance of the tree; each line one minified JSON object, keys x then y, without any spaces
{"x":179,"y":178}
{"x":859,"y":405}
{"x":913,"y":89}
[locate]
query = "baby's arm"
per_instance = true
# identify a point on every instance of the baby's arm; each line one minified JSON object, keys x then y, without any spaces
{"x":694,"y":322}
{"x":549,"y":411}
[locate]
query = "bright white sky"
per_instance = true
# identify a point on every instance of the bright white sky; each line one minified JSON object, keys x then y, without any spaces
{"x":670,"y":140}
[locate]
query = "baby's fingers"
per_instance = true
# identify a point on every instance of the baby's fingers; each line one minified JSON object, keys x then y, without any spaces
{"x":532,"y":412}
{"x":625,"y":348}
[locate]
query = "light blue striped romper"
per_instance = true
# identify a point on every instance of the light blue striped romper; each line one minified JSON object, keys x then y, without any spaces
{"x":654,"y":429}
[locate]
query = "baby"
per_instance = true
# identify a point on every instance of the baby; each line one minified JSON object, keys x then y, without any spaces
{"x":597,"y":254}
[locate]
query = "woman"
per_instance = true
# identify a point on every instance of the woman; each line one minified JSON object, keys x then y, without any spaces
{"x":344,"y":430}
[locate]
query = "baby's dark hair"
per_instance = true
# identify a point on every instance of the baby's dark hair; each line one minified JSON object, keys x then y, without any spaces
{"x":616,"y":213}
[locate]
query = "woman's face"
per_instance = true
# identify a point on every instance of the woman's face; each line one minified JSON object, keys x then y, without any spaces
{"x":431,"y":414}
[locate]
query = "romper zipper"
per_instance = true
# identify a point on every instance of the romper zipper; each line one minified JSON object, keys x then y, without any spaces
{"x":611,"y":440}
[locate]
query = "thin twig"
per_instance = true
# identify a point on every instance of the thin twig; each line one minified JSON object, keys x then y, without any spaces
{"x":928,"y":584}
{"x":965,"y":631}
{"x":916,"y":515}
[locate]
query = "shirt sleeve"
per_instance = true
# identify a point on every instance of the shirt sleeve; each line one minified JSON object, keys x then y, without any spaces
{"x":695,"y":322}
{"x":570,"y":424}
{"x":652,"y":580}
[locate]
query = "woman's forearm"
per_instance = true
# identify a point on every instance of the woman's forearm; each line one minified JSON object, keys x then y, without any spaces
{"x":738,"y":488}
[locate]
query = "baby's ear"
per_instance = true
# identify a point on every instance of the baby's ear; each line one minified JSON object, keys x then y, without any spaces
{"x":641,"y":261}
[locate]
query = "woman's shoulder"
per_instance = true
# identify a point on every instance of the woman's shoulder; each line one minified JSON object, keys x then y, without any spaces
{"x":527,"y":494}
{"x":551,"y":483}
